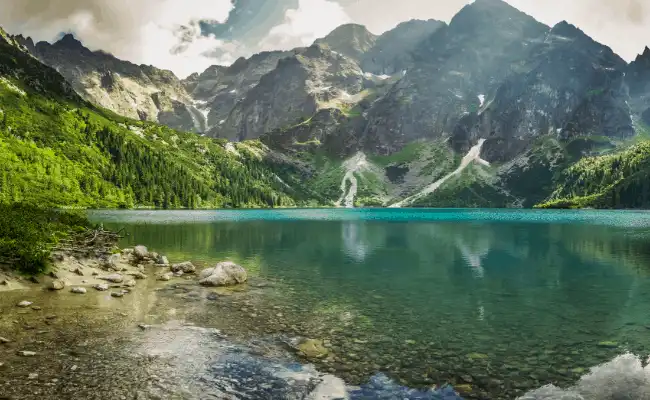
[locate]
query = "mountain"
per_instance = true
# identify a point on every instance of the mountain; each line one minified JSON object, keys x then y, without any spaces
{"x":298,"y":87}
{"x":58,"y":150}
{"x":136,"y":91}
{"x":351,"y":40}
{"x":216,"y":90}
{"x":392,"y":52}
{"x":494,"y":109}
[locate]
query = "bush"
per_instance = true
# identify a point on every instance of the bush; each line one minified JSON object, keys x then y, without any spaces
{"x":28,"y":234}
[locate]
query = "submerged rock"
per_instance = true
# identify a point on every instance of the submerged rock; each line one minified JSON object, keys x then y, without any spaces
{"x":224,"y":273}
{"x":312,"y":348}
{"x":78,"y":290}
{"x":24,"y":303}
{"x":186,"y":267}
{"x":56,"y":284}
{"x":26,"y":353}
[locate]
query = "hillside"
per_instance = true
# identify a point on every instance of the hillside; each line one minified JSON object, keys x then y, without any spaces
{"x":57,"y":150}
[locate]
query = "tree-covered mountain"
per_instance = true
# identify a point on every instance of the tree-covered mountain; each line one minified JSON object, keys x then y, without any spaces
{"x":543,"y":106}
{"x":58,"y":150}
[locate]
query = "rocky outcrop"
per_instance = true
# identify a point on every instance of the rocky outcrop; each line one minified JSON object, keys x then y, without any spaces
{"x":637,"y":78}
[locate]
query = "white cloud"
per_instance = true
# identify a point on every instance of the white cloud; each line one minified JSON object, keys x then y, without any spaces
{"x":312,"y":19}
{"x":141,"y":31}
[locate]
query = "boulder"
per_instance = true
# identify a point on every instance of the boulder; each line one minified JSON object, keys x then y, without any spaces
{"x":185,"y":267}
{"x":161,"y":260}
{"x":224,"y":273}
{"x":140,"y":252}
{"x":56,"y":284}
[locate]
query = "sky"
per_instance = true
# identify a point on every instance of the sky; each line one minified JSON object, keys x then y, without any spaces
{"x":188,"y":36}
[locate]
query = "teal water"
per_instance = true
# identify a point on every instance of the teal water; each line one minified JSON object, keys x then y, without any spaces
{"x":494,"y":302}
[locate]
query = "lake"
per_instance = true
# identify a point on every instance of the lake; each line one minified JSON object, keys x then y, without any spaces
{"x":493,"y":302}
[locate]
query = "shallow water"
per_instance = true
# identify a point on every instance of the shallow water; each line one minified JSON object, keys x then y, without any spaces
{"x":496,"y":303}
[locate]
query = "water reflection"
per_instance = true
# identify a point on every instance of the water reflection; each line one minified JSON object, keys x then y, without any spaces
{"x":547,"y":298}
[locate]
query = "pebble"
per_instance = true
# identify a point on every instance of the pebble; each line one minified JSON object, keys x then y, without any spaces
{"x":36,"y":308}
{"x":24,"y":303}
{"x":32,"y":376}
{"x":144,"y":327}
{"x":78,"y":290}
{"x":26,"y":353}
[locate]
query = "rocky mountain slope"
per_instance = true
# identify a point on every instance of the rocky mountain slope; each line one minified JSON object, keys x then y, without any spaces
{"x":135,"y":91}
{"x":405,"y":106}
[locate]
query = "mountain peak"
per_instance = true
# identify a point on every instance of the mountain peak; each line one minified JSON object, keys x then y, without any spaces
{"x":69,"y":41}
{"x":563,"y":28}
{"x":351,"y":40}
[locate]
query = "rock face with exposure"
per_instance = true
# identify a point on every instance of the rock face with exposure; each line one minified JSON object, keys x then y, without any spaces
{"x":225,"y":273}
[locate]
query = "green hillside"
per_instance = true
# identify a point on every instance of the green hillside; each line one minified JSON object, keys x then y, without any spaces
{"x":57,"y":150}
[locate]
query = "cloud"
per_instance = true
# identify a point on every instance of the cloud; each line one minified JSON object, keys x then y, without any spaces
{"x":164,"y":33}
{"x":311,"y":20}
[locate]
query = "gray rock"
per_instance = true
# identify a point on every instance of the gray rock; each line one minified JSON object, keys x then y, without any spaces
{"x":78,"y":290}
{"x":115,"y":278}
{"x":24,"y":303}
{"x":187,"y":267}
{"x":78,"y":271}
{"x":224,"y":273}
{"x":56,"y":284}
{"x":165,"y":277}
{"x":161,"y":260}
{"x":101,"y":286}
{"x":140,"y":252}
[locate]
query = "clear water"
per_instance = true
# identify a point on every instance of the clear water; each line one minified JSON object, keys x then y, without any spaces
{"x":495,"y":303}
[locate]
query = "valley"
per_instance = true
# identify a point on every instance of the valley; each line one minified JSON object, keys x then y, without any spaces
{"x":543,"y":102}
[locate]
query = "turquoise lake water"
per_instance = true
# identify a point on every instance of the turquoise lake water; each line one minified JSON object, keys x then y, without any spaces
{"x":494,"y":302}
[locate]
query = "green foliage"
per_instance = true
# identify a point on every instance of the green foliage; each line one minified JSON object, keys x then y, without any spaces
{"x":27,"y":234}
{"x":57,"y":153}
{"x":619,"y":180}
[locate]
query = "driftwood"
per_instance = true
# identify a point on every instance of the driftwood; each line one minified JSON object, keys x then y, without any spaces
{"x":96,"y":242}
